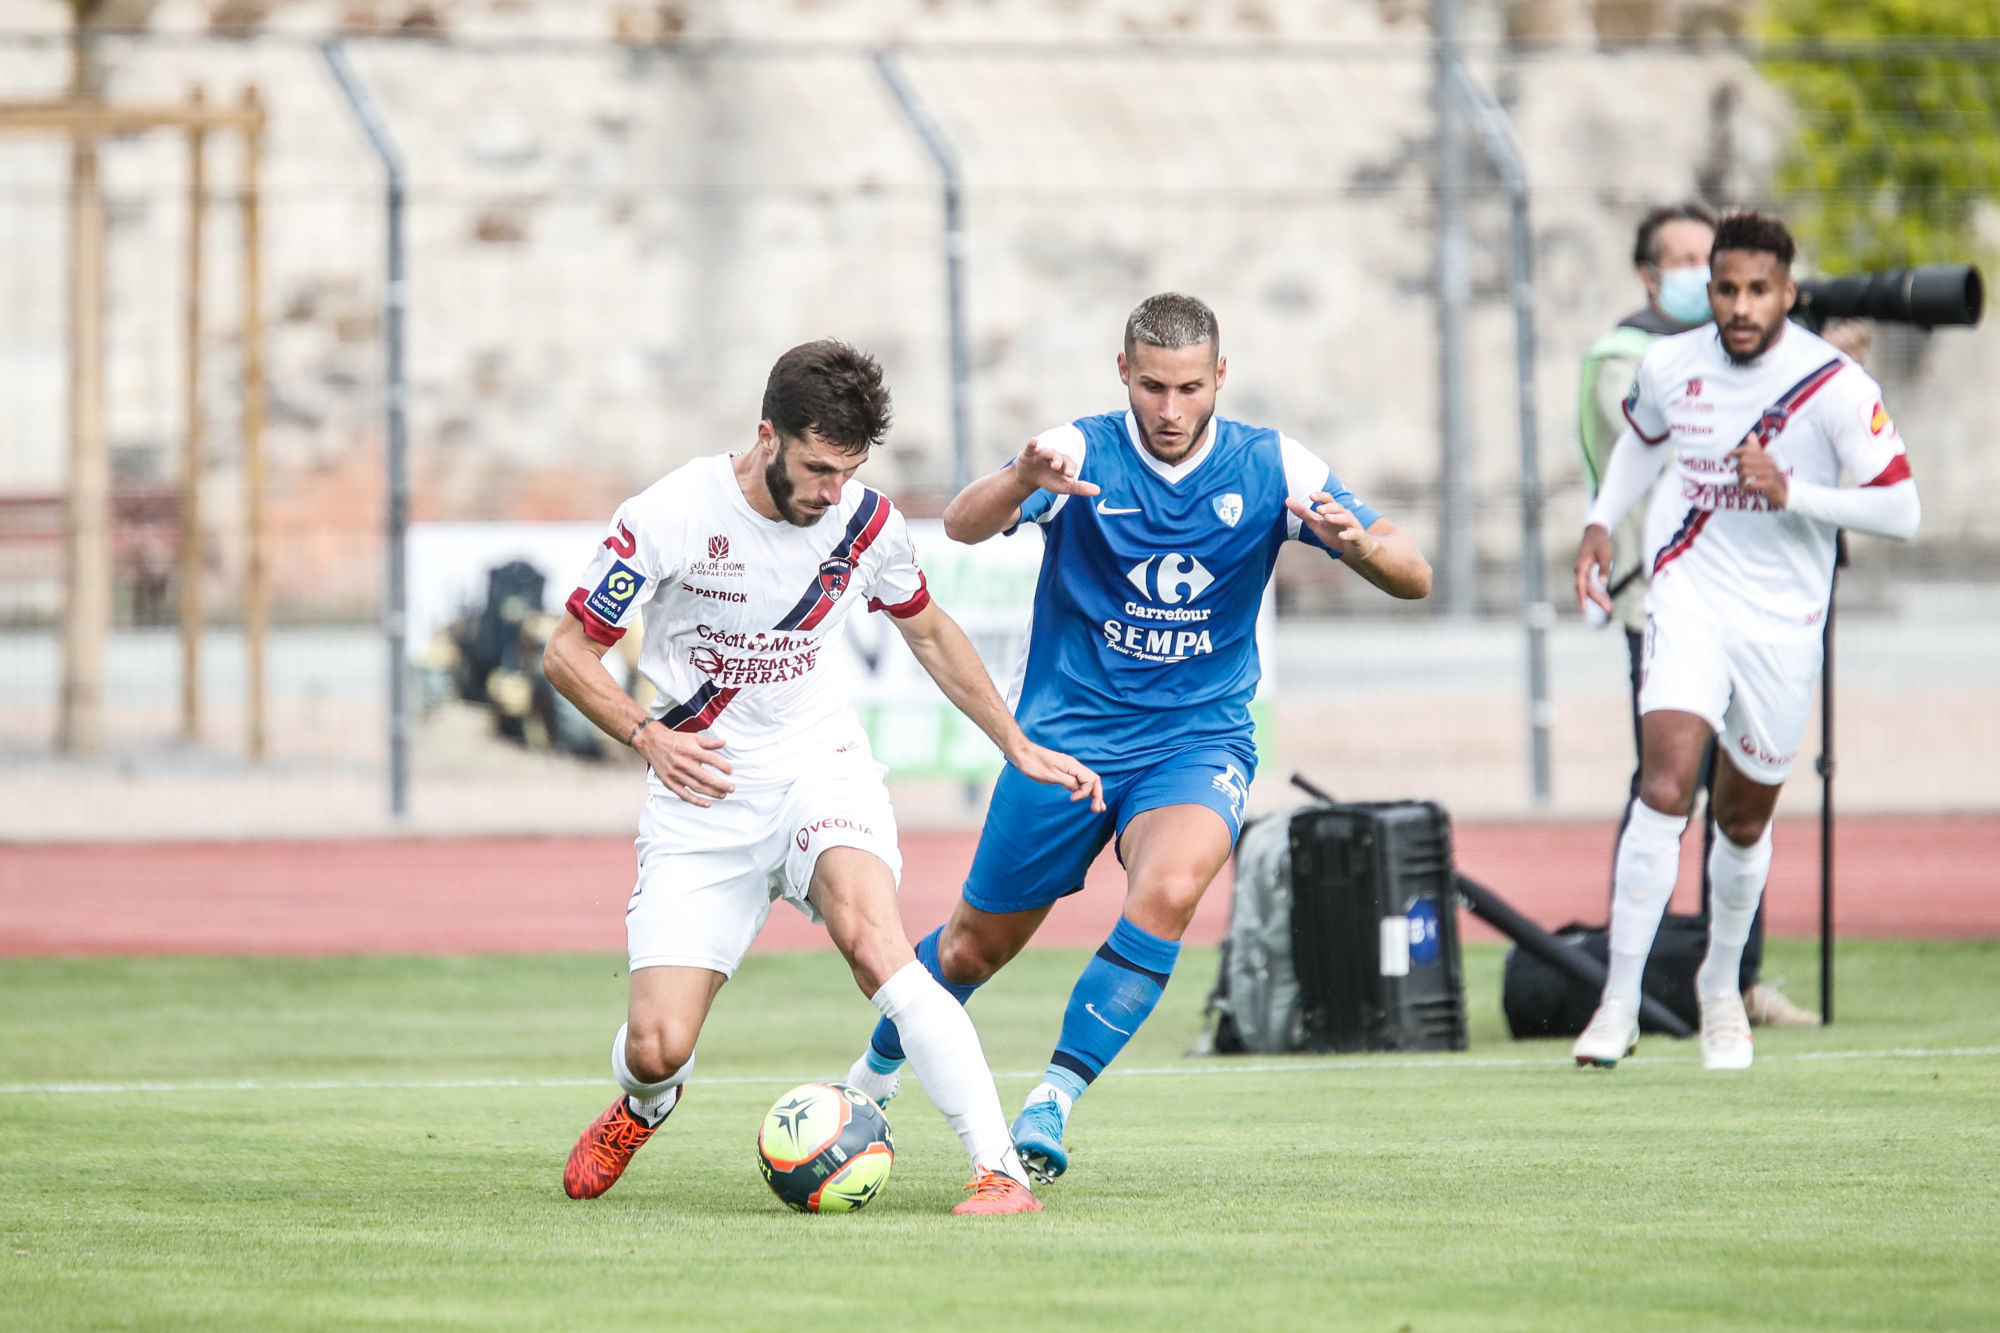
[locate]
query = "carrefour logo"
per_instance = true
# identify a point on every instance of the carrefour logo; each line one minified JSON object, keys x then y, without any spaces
{"x":1170,"y":579}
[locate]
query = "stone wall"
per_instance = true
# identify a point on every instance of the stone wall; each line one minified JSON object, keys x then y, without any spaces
{"x":621,"y":212}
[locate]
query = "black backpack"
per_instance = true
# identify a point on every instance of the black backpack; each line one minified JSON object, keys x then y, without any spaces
{"x":1542,"y":1002}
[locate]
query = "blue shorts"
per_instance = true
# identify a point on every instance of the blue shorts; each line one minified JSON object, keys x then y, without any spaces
{"x":1037,"y":843}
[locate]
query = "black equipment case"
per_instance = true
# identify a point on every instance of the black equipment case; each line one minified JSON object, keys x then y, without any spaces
{"x":1375,"y":928}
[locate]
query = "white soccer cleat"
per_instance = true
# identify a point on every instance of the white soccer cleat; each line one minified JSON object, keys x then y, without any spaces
{"x":1725,"y":1033}
{"x":1612,"y":1035}
{"x":878,"y":1088}
{"x":1769,"y":1007}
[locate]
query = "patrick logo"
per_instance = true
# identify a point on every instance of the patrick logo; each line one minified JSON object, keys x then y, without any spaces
{"x":718,"y":547}
{"x":1694,"y":387}
{"x":833,"y":576}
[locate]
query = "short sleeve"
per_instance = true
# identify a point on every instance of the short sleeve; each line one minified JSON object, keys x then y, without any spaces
{"x":1860,"y":431}
{"x":1644,"y":409}
{"x":627,"y":568}
{"x":1042,"y":507}
{"x":1306,"y":472}
{"x":898,"y":586}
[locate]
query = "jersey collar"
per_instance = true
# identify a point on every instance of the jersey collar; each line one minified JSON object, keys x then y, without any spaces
{"x":1170,"y":472}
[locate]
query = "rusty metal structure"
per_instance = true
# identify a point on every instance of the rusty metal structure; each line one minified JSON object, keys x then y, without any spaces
{"x":85,"y":117}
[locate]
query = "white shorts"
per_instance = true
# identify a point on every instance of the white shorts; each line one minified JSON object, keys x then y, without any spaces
{"x":708,"y":875}
{"x":1756,"y":695}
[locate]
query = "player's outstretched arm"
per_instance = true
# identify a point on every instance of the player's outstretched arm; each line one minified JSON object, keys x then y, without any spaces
{"x":944,"y":651}
{"x":574,"y":664}
{"x":992,"y":504}
{"x":1382,"y":553}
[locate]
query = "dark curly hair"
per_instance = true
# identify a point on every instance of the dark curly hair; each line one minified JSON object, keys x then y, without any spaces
{"x":1756,"y":231}
{"x":830,"y":388}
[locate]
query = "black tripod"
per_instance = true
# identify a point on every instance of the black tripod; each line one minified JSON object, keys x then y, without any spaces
{"x":1825,"y":766}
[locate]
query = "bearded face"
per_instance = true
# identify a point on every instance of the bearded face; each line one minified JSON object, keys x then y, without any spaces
{"x":784,"y":489}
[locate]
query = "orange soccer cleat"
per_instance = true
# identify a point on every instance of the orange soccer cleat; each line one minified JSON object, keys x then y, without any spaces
{"x":604,"y":1150}
{"x":994,"y":1193}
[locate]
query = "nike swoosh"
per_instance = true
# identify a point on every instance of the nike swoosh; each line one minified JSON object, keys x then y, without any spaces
{"x":1091,"y":1009}
{"x":1103,"y":509}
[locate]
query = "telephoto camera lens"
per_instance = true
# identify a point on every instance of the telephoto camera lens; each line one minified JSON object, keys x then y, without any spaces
{"x":1929,"y":296}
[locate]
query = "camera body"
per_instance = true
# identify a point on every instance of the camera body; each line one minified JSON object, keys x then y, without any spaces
{"x":1928,"y":297}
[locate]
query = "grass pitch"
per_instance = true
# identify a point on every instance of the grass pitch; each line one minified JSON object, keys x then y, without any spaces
{"x":377,"y":1143}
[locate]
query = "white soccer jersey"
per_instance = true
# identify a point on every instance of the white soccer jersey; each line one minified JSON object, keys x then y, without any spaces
{"x":739,"y":609}
{"x":1717,"y":549}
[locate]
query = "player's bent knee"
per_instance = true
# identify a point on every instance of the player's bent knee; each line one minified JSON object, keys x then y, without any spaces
{"x":657,"y":1052}
{"x":875,"y":956}
{"x":1743,"y":830}
{"x":967,"y":960}
{"x":1669,"y":794}
{"x":1165,"y":906}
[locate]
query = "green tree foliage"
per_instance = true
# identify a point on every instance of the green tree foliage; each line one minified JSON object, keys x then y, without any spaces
{"x":1898,"y":105}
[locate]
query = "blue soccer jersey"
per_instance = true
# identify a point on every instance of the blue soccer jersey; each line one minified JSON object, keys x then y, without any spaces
{"x":1144,"y":639}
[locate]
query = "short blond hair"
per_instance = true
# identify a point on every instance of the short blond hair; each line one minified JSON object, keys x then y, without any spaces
{"x":1171,"y":320}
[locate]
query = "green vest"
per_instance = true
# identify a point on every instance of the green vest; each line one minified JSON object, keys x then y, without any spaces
{"x":1595,"y":435}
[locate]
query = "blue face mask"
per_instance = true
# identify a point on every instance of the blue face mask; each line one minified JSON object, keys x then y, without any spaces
{"x":1684,"y":295}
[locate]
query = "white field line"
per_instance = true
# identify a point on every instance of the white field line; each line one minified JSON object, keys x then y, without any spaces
{"x":1348,"y":1065}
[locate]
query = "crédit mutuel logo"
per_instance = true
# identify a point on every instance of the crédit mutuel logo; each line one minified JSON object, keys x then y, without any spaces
{"x":718,"y":564}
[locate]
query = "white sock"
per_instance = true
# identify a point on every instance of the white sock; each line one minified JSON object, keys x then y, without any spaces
{"x":1049,"y":1092}
{"x":1736,"y":878}
{"x":1649,"y":860}
{"x":862,"y":1077}
{"x":651,"y":1102}
{"x":943,"y":1049}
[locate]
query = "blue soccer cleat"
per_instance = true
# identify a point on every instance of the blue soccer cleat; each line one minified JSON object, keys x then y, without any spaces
{"x":1038,"y":1134}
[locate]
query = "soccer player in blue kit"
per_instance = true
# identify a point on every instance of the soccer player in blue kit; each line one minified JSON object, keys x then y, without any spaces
{"x":1161,"y":527}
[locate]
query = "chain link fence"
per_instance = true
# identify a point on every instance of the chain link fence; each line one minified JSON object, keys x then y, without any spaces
{"x":608,"y":244}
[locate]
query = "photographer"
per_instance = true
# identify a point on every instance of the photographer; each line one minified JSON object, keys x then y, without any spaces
{"x":1670,"y":257}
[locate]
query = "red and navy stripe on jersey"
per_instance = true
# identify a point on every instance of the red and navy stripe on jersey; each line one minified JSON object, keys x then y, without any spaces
{"x":697,"y":713}
{"x":1770,"y":424}
{"x":838,"y":567}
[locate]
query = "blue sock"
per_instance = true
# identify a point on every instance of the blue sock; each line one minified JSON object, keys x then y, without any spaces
{"x":1117,"y":990}
{"x":885,"y":1048}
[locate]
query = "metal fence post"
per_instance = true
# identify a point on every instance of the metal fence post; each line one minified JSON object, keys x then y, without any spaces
{"x":927,"y":128}
{"x":1457,"y":550}
{"x":394,"y":619}
{"x":1496,"y":136}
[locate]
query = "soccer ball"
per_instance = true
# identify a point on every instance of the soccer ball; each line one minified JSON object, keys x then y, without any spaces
{"x":825,"y":1148}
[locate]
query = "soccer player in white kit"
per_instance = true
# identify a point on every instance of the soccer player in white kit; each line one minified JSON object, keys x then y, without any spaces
{"x":762,"y":785}
{"x":1758,"y":417}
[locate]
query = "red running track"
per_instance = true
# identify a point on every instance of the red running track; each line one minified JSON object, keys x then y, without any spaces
{"x":1926,"y":877}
